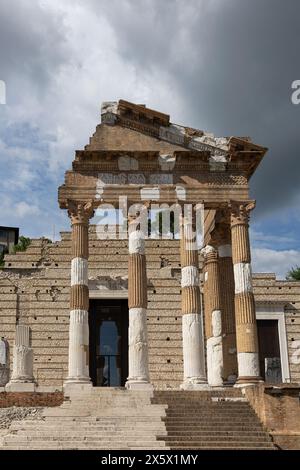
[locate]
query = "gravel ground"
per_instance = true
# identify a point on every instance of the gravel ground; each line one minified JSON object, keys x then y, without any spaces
{"x":13,"y":413}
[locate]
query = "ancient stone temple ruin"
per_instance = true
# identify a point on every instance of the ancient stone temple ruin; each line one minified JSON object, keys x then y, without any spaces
{"x":119,"y":302}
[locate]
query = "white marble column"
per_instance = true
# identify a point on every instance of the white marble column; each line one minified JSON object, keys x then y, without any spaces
{"x":213,"y":317}
{"x":192,"y":330}
{"x":138,"y":377}
{"x":78,"y":372}
{"x":246,"y":328}
{"x":22,"y":378}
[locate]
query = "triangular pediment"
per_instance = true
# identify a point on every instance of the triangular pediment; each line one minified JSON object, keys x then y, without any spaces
{"x":119,"y":138}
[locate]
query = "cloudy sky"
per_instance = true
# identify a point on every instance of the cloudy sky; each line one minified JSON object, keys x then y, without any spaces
{"x":222,"y":66}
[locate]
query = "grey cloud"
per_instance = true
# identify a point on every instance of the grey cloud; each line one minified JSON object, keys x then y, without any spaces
{"x":32,"y":47}
{"x":229,"y":66}
{"x":232,"y":63}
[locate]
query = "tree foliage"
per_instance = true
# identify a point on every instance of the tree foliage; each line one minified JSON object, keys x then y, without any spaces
{"x":23,"y":244}
{"x":293,"y":274}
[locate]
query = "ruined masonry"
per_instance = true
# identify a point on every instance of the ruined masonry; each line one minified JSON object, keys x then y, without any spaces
{"x":170,"y":323}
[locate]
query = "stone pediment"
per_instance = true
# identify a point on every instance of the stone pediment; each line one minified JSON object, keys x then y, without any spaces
{"x":157,"y":125}
{"x":138,"y":152}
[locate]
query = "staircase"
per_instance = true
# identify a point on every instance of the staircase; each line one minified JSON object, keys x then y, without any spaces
{"x":118,"y":419}
{"x":220,"y":419}
{"x":95,"y":418}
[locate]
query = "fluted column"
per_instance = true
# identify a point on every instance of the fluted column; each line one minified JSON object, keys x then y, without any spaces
{"x":79,"y":295}
{"x":228,"y":313}
{"x":246,"y":329}
{"x":138,"y":377}
{"x":221,"y":240}
{"x":213,"y":317}
{"x":192,"y":328}
{"x":22,"y":379}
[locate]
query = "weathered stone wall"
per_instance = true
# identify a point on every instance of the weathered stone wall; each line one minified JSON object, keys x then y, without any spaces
{"x":35,"y":290}
{"x":8,"y":399}
{"x":279,"y":410}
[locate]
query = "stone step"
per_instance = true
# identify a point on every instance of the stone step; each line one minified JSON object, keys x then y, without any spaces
{"x":74,"y":443}
{"x":222,"y":438}
{"x":92,"y":432}
{"x":91,"y":439}
{"x":190,"y":428}
{"x":100,"y":427}
{"x":86,"y":436}
{"x":103,"y":419}
{"x":119,"y":446}
{"x":209,"y":412}
{"x":204,"y":405}
{"x":213,"y":418}
{"x":212,"y":433}
{"x":221,"y":447}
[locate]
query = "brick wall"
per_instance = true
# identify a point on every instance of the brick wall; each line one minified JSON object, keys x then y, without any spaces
{"x":30,"y":399}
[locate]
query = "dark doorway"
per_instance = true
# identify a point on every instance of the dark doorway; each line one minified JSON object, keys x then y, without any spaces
{"x":269,"y":350}
{"x":108,"y":325}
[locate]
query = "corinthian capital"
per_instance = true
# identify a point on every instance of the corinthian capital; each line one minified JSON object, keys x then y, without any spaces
{"x":209,"y":253}
{"x":240,"y":212}
{"x":80,"y":212}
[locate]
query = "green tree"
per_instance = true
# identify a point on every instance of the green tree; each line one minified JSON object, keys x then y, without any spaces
{"x":2,"y":259}
{"x":23,"y":244}
{"x":156,"y":224}
{"x":293,"y":274}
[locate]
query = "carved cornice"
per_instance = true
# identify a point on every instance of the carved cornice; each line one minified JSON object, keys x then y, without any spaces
{"x":80,"y":212}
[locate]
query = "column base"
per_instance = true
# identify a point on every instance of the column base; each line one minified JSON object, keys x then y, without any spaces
{"x":138,"y":385}
{"x":78,"y":381}
{"x":231,"y":380}
{"x":247,"y":381}
{"x":77,"y":387}
{"x":20,"y":387}
{"x":200,"y":384}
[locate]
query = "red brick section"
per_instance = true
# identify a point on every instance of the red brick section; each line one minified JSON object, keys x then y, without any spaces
{"x":30,"y":399}
{"x":278,"y":408}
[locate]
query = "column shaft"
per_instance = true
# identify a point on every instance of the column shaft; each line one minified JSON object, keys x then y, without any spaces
{"x":192,"y":328}
{"x":213,"y":317}
{"x":228,"y":313}
{"x":246,"y":329}
{"x":79,"y":295}
{"x":137,"y":302}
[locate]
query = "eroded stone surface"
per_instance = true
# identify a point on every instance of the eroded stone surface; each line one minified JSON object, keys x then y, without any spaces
{"x":138,"y":345}
{"x":136,"y":242}
{"x":242,"y":277}
{"x":192,"y":337}
{"x":189,"y":276}
{"x":214,"y":361}
{"x":248,"y":364}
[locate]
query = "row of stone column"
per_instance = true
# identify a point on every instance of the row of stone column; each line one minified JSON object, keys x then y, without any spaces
{"x":229,"y":332}
{"x":230,"y":321}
